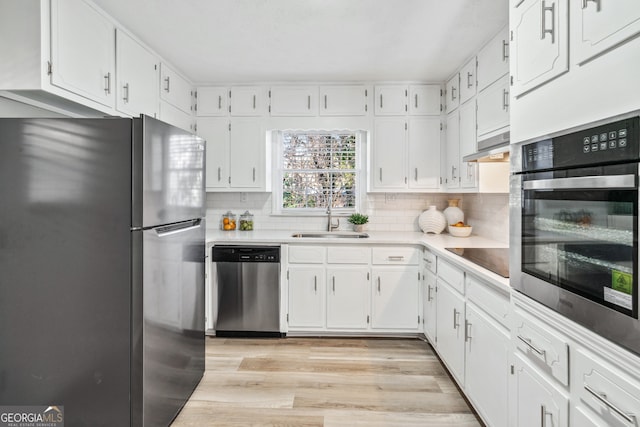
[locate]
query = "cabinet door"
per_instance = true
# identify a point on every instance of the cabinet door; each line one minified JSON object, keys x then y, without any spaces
{"x":493,"y":109}
{"x":247,"y":101}
{"x":211,"y":101}
{"x":175,"y":116}
{"x":540,"y":46}
{"x":537,"y":402}
{"x":391,"y":100}
{"x":487,"y":367}
{"x":468,"y":145}
{"x":137,"y":76}
{"x":599,"y":25}
{"x":83,"y":50}
{"x":453,"y":150}
{"x":395,"y":298}
{"x":425,"y":100}
{"x":430,"y":304}
{"x":294,"y":101}
{"x":389,"y":147}
{"x":493,"y":60}
{"x":450,"y":329}
{"x":424,"y":152}
{"x":452,"y":93}
{"x":348,"y":100}
{"x":246,"y":154}
{"x":216,"y":132}
{"x":468,"y":81}
{"x":175,"y":89}
{"x":306,"y":297}
{"x":348,"y":295}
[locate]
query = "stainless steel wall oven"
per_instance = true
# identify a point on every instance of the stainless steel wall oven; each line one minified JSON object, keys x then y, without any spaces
{"x":574,"y":226}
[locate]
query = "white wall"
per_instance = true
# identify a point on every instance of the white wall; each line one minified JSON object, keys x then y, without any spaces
{"x":488,"y":213}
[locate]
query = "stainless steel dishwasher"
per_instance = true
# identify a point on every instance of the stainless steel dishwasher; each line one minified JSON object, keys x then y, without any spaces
{"x":248,"y":279}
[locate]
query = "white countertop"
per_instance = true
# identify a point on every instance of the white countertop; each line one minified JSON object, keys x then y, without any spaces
{"x":435,"y":242}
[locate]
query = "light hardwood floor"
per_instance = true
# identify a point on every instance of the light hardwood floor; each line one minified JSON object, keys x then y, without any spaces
{"x":324,"y":382}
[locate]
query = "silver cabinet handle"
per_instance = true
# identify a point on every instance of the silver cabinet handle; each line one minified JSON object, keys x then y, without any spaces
{"x":456,"y":313}
{"x":308,"y":102}
{"x":469,"y":79}
{"x":107,"y":83}
{"x":325,"y":102}
{"x":219,"y":102}
{"x":453,"y":172}
{"x":543,"y":416}
{"x":602,"y":397}
{"x":167,"y":88}
{"x":429,"y":293}
{"x":254,"y":102}
{"x":380,"y":100}
{"x":505,"y":50}
{"x":453,"y":93}
{"x":597,"y":2}
{"x":416,"y":100}
{"x":467,"y":327}
{"x":395,"y":258}
{"x":254,"y":174}
{"x":219,"y":173}
{"x":543,"y":25}
{"x":125,"y":93}
{"x":527,"y":341}
{"x":380,"y":174}
{"x":505,"y":99}
{"x":333,"y":279}
{"x":315,"y":283}
{"x":416,"y":175}
{"x":378,"y":284}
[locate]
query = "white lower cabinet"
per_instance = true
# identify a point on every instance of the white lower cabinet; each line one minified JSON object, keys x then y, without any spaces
{"x":537,"y":402}
{"x":450,"y":321}
{"x":306,"y":297}
{"x":348,"y":297}
{"x":486,"y":358}
{"x":429,"y":302}
{"x":395,"y":298}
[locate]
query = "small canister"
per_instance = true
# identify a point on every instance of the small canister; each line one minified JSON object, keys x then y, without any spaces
{"x":246,"y":221}
{"x":228,"y":221}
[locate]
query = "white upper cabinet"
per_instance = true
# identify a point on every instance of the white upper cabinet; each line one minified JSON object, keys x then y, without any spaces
{"x":247,"y":154}
{"x":493,"y":60}
{"x":425,"y":100}
{"x":598,"y":25}
{"x":452,"y":172}
{"x":216,"y":132}
{"x":540,"y":36}
{"x":293,"y":101}
{"x":247,"y":101}
{"x":391,"y":100}
{"x":468,"y":145}
{"x":83,"y":50}
{"x":452,"y":93}
{"x":175,"y":89}
{"x":137,"y":77}
{"x":211,"y":101}
{"x":424,"y":152}
{"x":493,"y":109}
{"x":389,"y":149}
{"x":343,"y":100}
{"x":468,"y":80}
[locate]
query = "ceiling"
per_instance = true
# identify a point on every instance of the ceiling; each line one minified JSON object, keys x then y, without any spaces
{"x":224,"y":41}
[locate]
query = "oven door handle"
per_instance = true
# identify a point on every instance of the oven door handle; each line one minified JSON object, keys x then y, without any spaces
{"x":582,"y":182}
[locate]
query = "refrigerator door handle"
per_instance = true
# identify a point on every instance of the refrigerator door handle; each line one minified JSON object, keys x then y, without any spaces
{"x":182,"y":227}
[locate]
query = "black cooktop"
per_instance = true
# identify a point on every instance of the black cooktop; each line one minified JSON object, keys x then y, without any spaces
{"x":493,"y":259}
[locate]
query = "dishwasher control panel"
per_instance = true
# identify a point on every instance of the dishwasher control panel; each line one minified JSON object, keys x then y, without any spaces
{"x":232,"y":253}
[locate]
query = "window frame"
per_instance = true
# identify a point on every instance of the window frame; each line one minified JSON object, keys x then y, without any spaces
{"x":279,"y":171}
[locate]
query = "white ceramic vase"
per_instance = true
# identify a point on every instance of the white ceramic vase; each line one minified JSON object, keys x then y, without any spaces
{"x":432,"y":221}
{"x":453,"y":213}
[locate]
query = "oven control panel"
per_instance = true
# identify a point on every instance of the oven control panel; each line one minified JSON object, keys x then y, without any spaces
{"x":616,"y":142}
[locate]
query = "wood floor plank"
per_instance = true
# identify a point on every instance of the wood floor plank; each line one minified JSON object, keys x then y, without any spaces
{"x":329,"y":382}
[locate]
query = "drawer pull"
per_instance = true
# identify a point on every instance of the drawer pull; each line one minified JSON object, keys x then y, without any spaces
{"x":531,"y":346}
{"x":631,"y":418}
{"x":395,"y":258}
{"x":456,"y":315}
{"x":467,"y":330}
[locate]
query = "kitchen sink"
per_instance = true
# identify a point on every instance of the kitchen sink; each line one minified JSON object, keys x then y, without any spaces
{"x":331,"y":235}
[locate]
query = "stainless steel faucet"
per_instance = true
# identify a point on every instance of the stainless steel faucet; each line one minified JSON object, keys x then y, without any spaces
{"x":330,"y":225}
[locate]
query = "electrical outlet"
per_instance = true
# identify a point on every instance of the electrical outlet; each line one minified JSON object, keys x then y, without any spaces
{"x":243,"y":197}
{"x":390,"y":197}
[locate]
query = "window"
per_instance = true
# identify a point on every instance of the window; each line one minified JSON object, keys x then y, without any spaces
{"x":318,"y":170}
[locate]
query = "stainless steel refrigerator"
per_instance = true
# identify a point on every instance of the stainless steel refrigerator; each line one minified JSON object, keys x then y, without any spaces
{"x":101,"y":268}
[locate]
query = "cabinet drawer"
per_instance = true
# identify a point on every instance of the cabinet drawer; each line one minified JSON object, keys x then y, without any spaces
{"x":605,"y":390}
{"x":429,"y":259}
{"x":451,"y":274}
{"x":396,"y":256}
{"x":307,"y":254}
{"x":492,"y":302}
{"x":542,"y":347}
{"x":348,"y":255}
